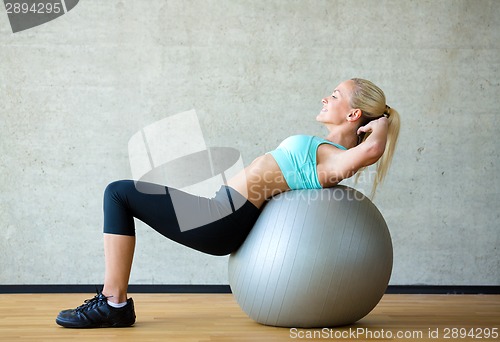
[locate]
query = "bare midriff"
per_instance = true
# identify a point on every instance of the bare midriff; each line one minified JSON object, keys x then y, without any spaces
{"x":260,"y":180}
{"x":263,"y":178}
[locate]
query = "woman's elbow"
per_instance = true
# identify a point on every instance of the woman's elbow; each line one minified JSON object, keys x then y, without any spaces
{"x":374,"y":151}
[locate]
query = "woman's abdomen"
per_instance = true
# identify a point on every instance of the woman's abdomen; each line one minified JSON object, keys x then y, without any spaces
{"x":260,"y":180}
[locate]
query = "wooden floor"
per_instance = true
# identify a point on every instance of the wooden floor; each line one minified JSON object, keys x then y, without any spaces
{"x":217,"y":317}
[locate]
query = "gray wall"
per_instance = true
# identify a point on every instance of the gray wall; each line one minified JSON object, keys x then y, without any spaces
{"x":73,"y":92}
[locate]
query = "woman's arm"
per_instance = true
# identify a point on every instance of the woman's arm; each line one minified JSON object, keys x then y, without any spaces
{"x":346,"y":164}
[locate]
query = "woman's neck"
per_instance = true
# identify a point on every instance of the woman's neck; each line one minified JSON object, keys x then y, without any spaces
{"x":344,"y":136}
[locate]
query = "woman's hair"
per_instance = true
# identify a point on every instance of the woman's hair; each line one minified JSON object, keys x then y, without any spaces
{"x":371,"y":100}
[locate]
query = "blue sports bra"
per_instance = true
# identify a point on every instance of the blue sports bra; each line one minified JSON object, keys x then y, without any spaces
{"x":296,"y":157}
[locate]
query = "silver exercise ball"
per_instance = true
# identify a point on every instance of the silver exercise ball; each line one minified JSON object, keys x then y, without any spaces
{"x":315,"y":258}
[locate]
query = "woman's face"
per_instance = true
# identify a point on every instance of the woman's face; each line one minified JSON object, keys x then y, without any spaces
{"x":336,"y":107}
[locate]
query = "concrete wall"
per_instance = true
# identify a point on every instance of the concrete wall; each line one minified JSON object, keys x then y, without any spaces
{"x":73,"y":91}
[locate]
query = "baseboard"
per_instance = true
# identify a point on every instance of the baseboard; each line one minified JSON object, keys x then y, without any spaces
{"x":131,"y":288}
{"x":440,"y":289}
{"x":392,"y":289}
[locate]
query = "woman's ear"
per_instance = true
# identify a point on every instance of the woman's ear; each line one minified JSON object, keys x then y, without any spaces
{"x":354,"y":115}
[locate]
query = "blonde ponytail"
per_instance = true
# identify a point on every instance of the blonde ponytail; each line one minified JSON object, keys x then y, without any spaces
{"x":371,"y":100}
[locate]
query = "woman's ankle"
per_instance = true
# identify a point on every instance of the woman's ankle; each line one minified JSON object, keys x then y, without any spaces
{"x":115,"y":296}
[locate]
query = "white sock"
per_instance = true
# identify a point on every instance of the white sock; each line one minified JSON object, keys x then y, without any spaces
{"x":116,"y":305}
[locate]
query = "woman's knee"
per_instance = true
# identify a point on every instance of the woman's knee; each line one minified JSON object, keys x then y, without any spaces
{"x":117,"y":189}
{"x":117,"y":215}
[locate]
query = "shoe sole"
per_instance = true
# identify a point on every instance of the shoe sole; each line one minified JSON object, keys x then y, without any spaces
{"x":67,"y":324}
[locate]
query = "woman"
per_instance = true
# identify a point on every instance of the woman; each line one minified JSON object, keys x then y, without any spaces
{"x":362,"y":130}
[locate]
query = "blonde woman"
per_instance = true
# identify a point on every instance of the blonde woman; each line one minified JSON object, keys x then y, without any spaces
{"x":362,"y":130}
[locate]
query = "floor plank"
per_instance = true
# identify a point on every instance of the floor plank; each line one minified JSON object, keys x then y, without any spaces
{"x":217,"y":317}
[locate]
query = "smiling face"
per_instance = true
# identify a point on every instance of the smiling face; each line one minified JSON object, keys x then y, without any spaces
{"x":336,"y":107}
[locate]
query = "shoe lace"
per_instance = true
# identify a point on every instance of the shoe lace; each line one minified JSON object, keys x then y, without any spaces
{"x":89,"y":304}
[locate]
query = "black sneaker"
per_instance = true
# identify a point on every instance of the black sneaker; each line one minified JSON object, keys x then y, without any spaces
{"x":97,"y":313}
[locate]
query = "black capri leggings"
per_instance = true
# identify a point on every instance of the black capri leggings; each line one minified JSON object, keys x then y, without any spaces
{"x":216,"y":226}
